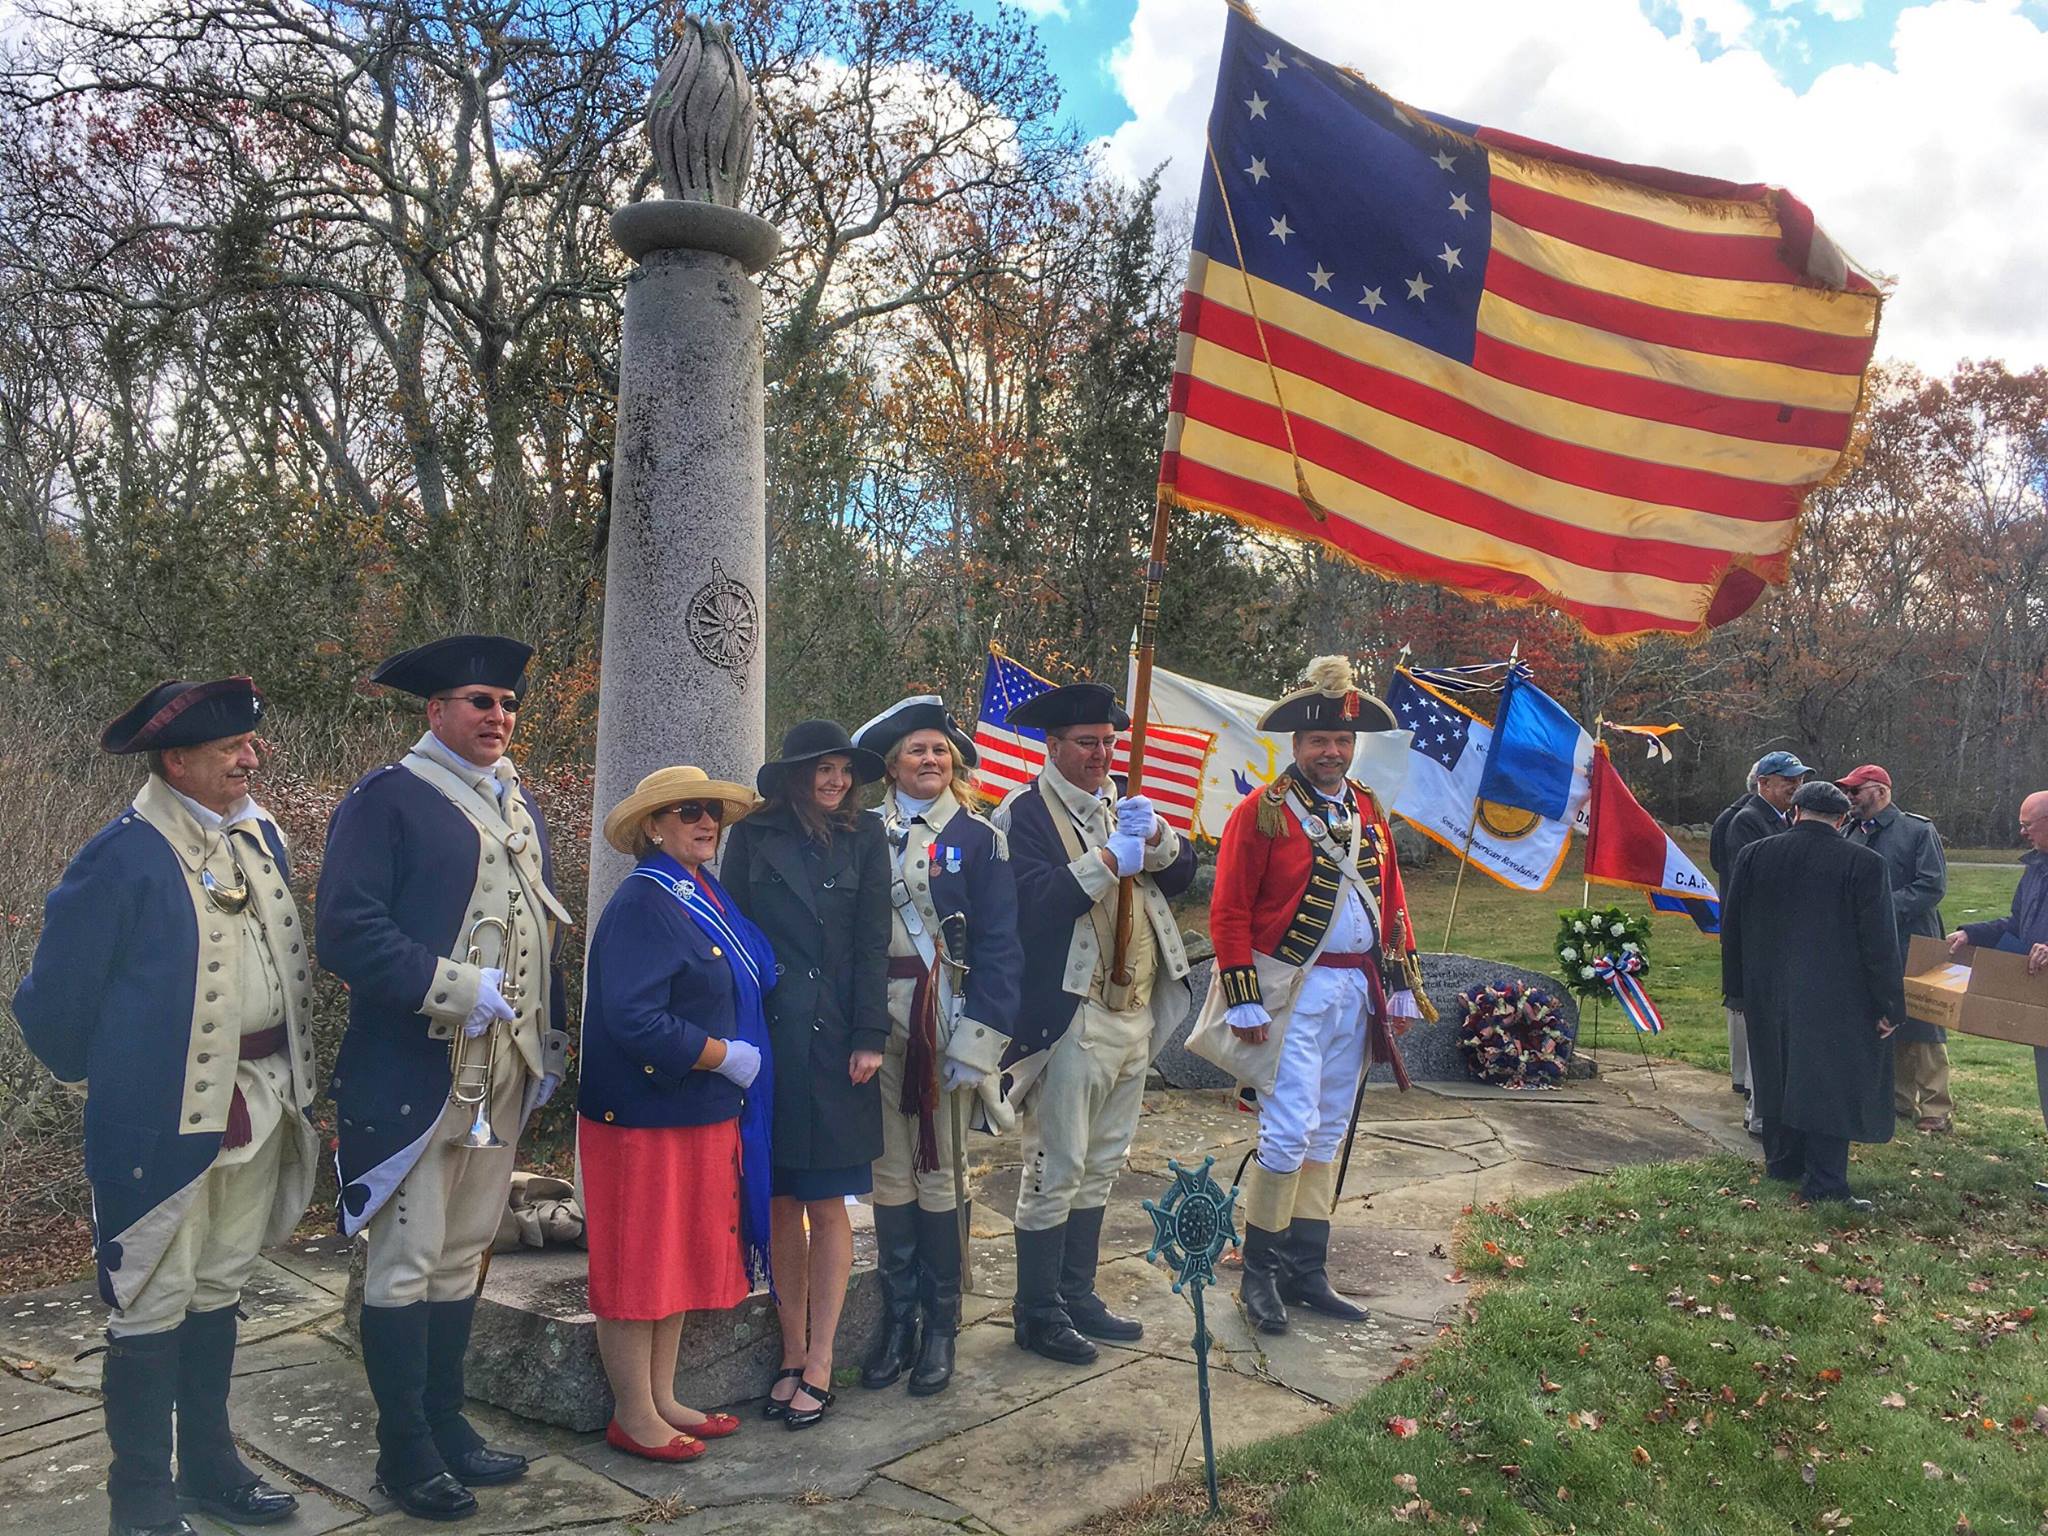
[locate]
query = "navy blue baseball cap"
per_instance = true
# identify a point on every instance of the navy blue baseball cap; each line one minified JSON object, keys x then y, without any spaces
{"x":1784,"y":765}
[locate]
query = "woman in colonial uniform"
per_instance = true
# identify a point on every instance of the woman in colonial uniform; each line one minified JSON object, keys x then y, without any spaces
{"x":812,"y":870}
{"x":955,"y":970}
{"x":674,"y":1104}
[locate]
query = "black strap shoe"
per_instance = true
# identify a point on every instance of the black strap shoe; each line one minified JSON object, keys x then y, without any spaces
{"x":804,"y":1418}
{"x":896,"y":1342}
{"x":439,"y":1497}
{"x":1085,"y":1308}
{"x":254,"y":1503}
{"x":1042,"y":1324}
{"x":1259,"y":1288}
{"x":481,"y":1466}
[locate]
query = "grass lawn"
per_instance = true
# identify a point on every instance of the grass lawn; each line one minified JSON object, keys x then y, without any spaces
{"x":1678,"y":1348}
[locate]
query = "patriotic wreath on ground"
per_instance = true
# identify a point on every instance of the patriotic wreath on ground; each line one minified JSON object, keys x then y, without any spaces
{"x":1514,"y":1036}
{"x":1587,"y":935}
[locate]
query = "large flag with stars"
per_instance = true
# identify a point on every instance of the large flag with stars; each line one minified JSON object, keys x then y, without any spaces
{"x":1464,"y":357}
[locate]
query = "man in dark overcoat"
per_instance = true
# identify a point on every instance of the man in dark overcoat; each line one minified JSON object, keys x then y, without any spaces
{"x":1911,"y":850}
{"x":1763,"y":810}
{"x":1808,"y":944}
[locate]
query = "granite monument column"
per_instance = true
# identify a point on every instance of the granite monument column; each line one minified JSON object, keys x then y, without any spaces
{"x":682,"y":673}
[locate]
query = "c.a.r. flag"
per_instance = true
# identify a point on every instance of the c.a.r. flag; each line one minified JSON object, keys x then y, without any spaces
{"x":1626,"y":846}
{"x":1463,"y":357}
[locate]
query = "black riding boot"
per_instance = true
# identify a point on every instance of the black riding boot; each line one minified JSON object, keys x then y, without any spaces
{"x":1259,"y":1289}
{"x":1077,"y":1282}
{"x":1304,"y":1275}
{"x":140,"y":1379}
{"x":1043,"y":1326}
{"x":896,"y":1345}
{"x":938,"y":1251}
{"x":211,"y":1471}
{"x":409,"y":1467}
{"x":474,"y":1464}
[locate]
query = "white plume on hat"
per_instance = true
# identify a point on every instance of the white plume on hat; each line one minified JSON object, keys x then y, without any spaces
{"x":1330,"y":674}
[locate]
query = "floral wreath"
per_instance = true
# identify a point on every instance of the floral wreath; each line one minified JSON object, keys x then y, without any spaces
{"x":1513,"y":1035}
{"x":1586,"y":935}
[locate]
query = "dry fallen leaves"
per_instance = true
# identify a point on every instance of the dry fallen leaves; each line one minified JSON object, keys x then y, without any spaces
{"x":1401,"y":1428}
{"x":1642,"y":1457}
{"x":1405,"y":1481}
{"x":1893,"y":1400}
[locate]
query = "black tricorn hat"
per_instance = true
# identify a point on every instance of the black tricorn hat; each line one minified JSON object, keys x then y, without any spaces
{"x":1073,"y":704}
{"x":1329,"y":700}
{"x":180,"y":714}
{"x":919,"y":712}
{"x":455,"y":662}
{"x":809,"y":740}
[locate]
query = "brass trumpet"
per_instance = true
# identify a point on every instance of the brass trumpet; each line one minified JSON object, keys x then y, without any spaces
{"x":470,"y":1079}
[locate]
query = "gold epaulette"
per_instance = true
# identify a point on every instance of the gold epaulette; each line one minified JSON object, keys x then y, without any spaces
{"x":1273,"y":816}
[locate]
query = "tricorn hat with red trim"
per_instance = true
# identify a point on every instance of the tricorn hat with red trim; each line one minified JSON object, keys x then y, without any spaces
{"x":1329,"y":700}
{"x":180,"y":714}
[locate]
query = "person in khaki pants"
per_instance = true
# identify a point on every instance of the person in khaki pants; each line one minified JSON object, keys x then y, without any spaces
{"x":1911,"y":849}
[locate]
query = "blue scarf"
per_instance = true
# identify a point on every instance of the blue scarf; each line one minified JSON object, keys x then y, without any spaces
{"x":752,"y":961}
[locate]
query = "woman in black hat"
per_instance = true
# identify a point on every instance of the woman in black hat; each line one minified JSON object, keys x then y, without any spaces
{"x":812,"y":870}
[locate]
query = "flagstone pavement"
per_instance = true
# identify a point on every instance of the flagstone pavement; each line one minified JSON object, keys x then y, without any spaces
{"x":1018,"y":1445}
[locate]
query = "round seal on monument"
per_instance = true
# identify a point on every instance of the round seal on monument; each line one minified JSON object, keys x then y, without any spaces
{"x":724,"y":621}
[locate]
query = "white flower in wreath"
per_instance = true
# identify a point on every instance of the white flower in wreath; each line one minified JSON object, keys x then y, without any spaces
{"x":1578,"y":927}
{"x":1587,"y":973}
{"x":1629,"y":948}
{"x":1567,"y":954}
{"x":1618,"y":929}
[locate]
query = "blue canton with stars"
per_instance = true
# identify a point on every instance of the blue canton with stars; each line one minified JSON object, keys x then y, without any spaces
{"x":1440,"y":731}
{"x":1339,"y":197}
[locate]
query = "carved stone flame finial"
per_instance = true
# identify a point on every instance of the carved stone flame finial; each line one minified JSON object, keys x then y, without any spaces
{"x":700,"y":118}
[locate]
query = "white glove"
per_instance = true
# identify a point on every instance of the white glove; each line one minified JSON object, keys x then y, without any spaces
{"x":956,"y":1074}
{"x":548,"y":1084}
{"x":742,"y":1063}
{"x":1246,"y":1016}
{"x":490,"y":1003}
{"x":1134,"y":813}
{"x":1128,"y":849}
{"x":997,"y":1113}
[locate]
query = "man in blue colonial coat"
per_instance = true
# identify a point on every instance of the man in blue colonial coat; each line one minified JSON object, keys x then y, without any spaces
{"x":172,"y":977}
{"x":435,"y":907}
{"x":1084,"y":1038}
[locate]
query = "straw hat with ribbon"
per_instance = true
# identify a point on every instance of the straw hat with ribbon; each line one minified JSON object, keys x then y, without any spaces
{"x":670,"y":786}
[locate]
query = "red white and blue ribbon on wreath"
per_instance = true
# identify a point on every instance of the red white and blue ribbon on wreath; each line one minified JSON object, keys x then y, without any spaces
{"x":1619,"y":972}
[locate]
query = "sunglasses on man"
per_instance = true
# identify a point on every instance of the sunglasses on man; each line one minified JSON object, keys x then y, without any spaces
{"x":484,"y":703}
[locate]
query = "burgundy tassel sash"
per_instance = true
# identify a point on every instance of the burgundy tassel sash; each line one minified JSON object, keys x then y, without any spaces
{"x":920,"y":1096}
{"x":265,"y":1042}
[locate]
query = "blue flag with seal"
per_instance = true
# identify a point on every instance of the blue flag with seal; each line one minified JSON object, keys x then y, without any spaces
{"x":1541,"y":759}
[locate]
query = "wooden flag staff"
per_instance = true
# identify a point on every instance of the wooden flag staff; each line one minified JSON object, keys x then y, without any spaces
{"x":1141,"y":709}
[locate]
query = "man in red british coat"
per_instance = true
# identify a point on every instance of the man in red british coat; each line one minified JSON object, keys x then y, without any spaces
{"x":1315,"y":953}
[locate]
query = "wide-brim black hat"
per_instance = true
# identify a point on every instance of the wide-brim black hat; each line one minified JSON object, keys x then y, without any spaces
{"x":1072,"y":704}
{"x":181,"y":714}
{"x":1329,"y":700}
{"x":809,"y":740}
{"x":456,"y":662}
{"x":919,"y":712}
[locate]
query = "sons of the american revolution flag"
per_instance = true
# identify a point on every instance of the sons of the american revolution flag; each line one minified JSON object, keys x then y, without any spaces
{"x":1463,"y":357}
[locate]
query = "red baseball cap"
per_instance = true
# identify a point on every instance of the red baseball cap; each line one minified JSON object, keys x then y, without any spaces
{"x":1869,"y":773}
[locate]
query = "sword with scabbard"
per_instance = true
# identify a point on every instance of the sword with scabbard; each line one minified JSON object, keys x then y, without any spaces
{"x":952,"y":947}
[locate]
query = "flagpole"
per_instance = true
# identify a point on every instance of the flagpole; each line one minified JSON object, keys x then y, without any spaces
{"x":1586,"y":897}
{"x":1141,"y":708}
{"x":1472,"y":823}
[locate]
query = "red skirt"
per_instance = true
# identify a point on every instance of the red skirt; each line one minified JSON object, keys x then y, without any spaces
{"x":661,"y":1211}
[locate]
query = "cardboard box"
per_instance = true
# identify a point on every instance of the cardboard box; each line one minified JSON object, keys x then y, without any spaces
{"x":1979,"y":991}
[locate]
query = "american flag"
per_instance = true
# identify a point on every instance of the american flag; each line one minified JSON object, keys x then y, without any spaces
{"x":1441,"y":732}
{"x":1464,"y":357}
{"x":1012,"y":756}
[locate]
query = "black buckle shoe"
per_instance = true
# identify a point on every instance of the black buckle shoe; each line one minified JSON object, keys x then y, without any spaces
{"x":1091,"y":1317}
{"x":177,"y":1527}
{"x":254,"y":1503}
{"x":439,"y":1497}
{"x":1052,"y":1334}
{"x":482,"y":1467}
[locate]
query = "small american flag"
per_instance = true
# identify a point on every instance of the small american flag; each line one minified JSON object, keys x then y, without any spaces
{"x":1440,"y":731}
{"x":1462,"y":357}
{"x":1012,"y":756}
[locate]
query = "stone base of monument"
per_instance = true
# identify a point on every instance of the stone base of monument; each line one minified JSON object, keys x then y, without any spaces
{"x":1429,"y":1051}
{"x":533,"y":1350}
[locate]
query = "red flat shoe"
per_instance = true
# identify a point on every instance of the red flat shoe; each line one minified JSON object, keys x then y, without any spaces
{"x":682,"y":1448}
{"x":716,"y":1426}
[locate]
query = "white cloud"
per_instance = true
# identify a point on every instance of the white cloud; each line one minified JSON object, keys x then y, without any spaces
{"x":1839,"y":10}
{"x":1917,"y":168}
{"x":1043,"y":7}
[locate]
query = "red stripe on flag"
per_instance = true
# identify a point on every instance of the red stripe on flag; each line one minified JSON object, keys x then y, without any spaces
{"x":1748,"y":258}
{"x":1627,"y":394}
{"x":1681,"y":182}
{"x":1634,"y":479}
{"x":1755,"y":340}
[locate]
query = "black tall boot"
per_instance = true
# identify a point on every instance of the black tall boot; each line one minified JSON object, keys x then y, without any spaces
{"x":1077,"y":1282}
{"x":896,"y":1345}
{"x":1043,"y":1326}
{"x":140,"y":1379}
{"x":1259,"y":1289}
{"x":409,"y":1467}
{"x":211,"y":1471}
{"x":1305,"y":1277}
{"x":938,"y":1253}
{"x":474,"y":1464}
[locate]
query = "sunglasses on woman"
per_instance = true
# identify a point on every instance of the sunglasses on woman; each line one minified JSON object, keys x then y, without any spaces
{"x":691,"y":810}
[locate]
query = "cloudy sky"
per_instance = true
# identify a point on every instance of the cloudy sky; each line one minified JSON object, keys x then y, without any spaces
{"x":1915,"y":130}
